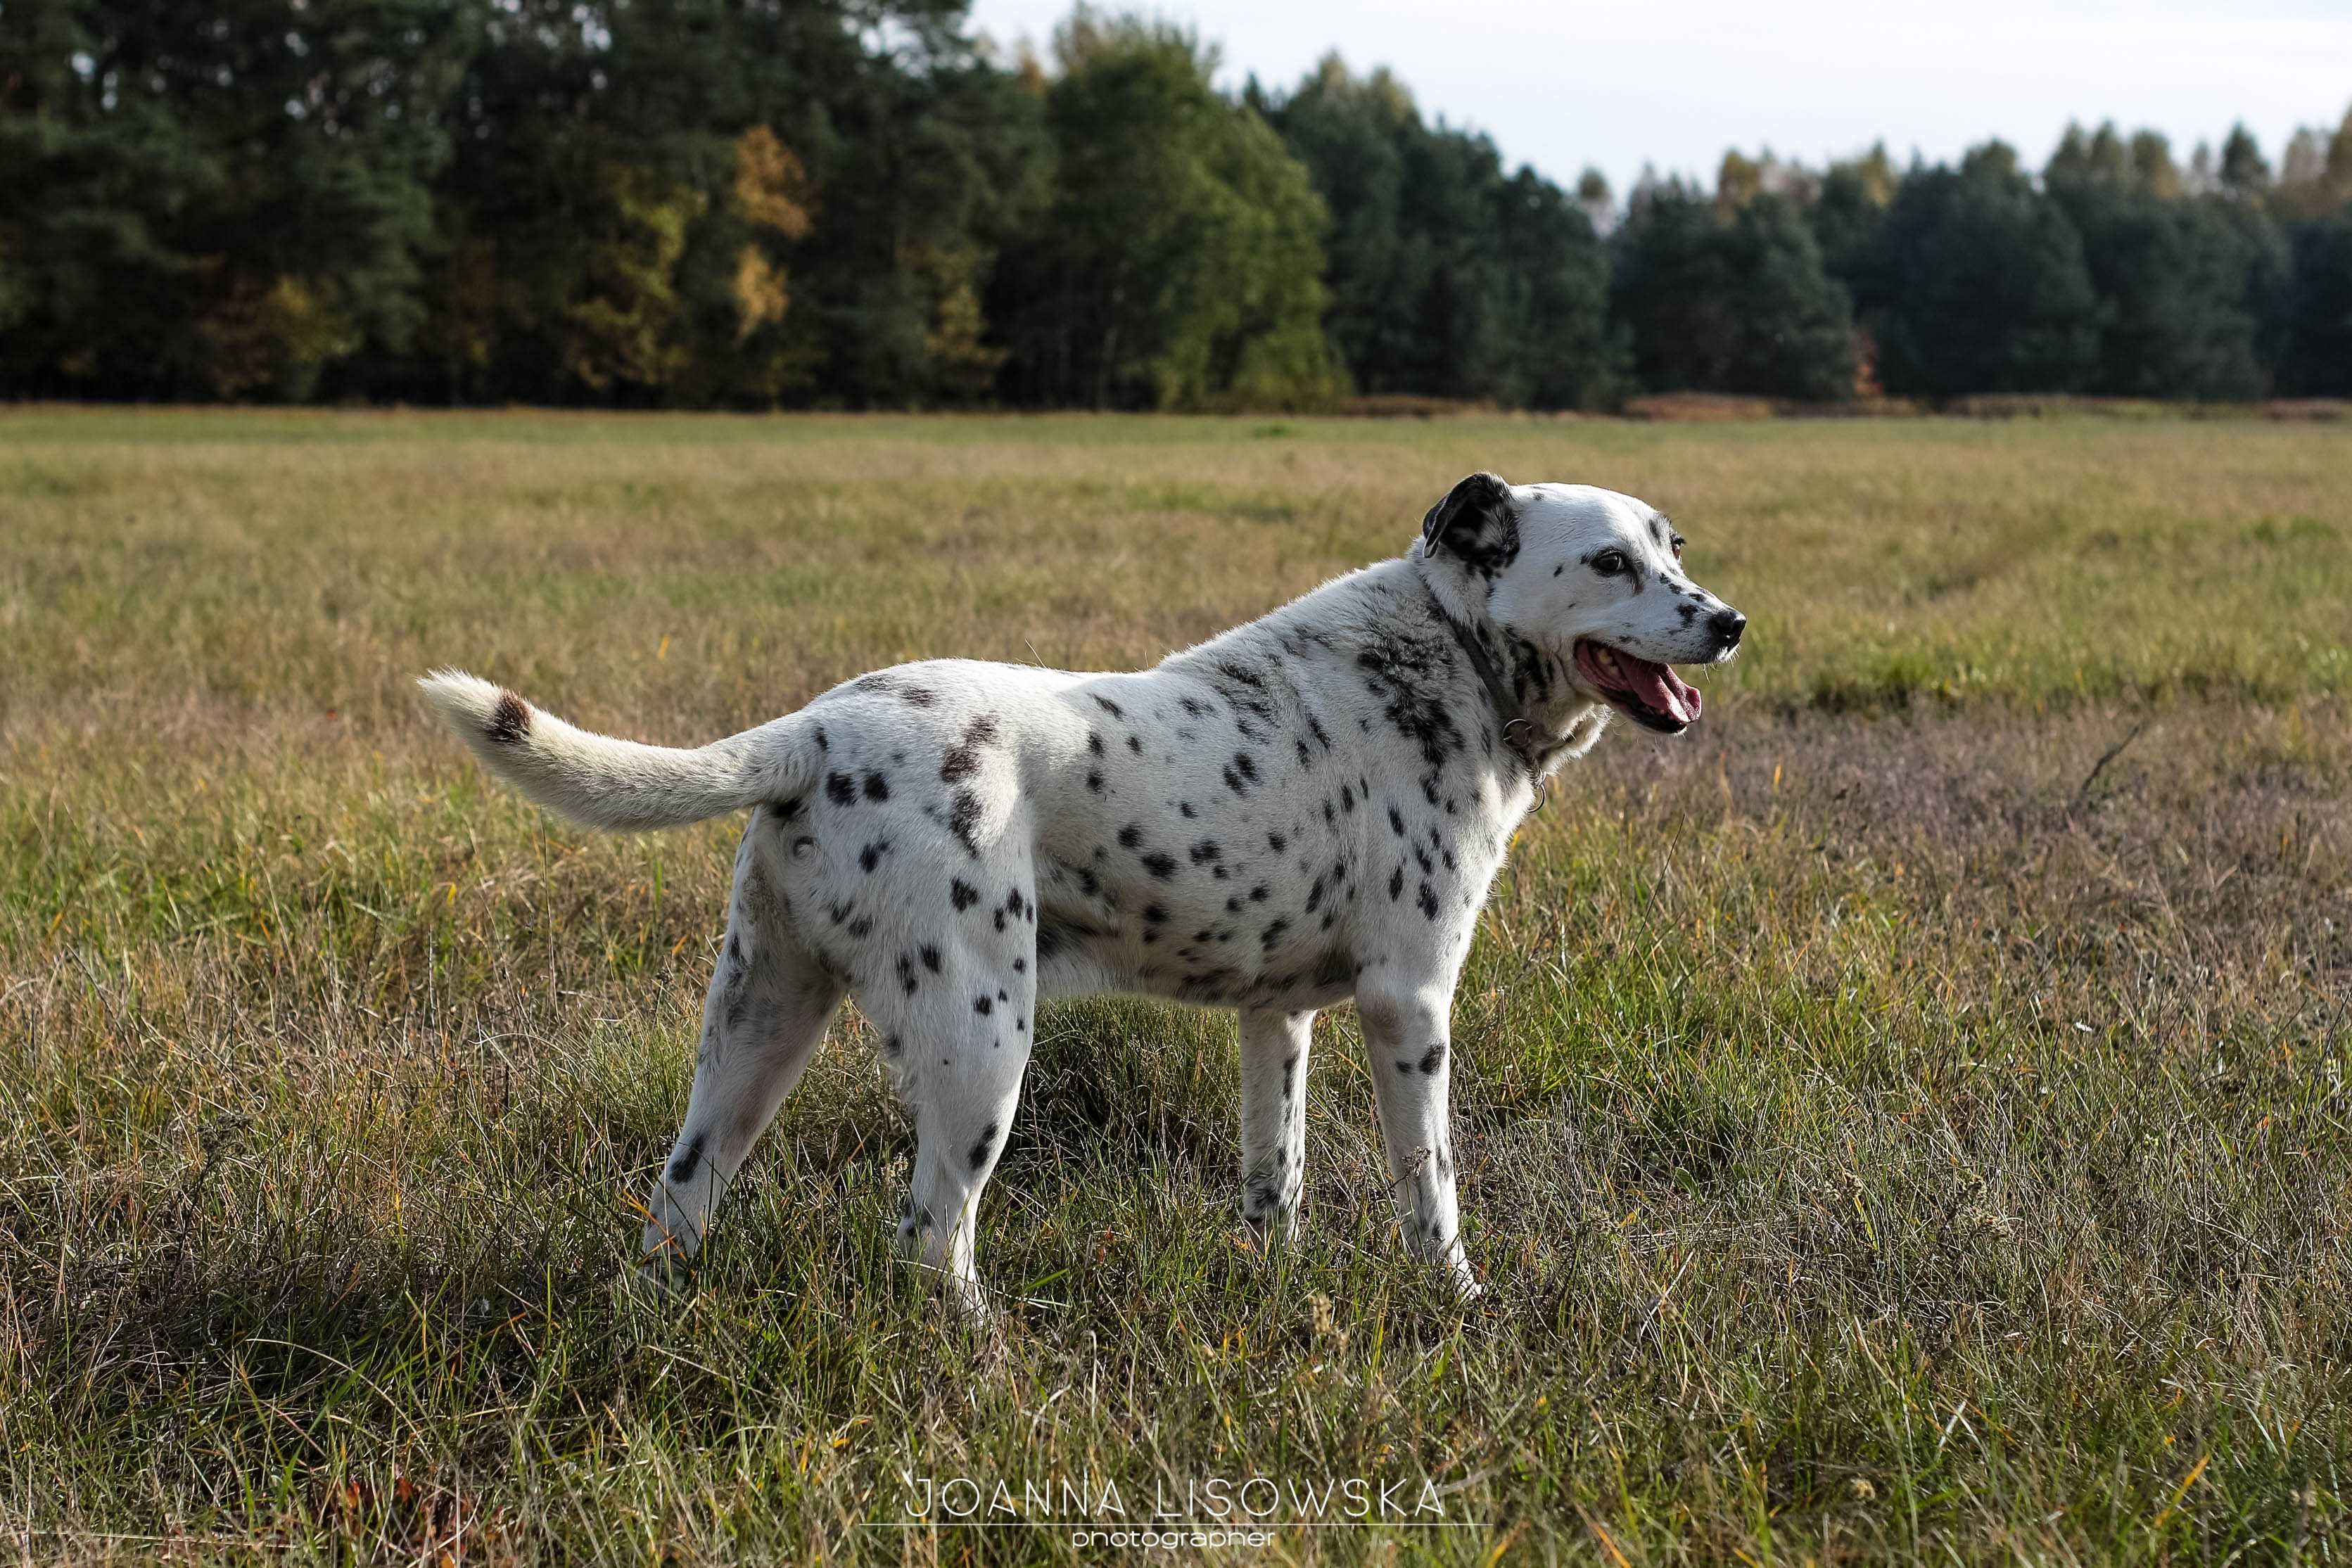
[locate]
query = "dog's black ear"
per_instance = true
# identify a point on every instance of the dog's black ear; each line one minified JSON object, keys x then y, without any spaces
{"x":1476,"y":523}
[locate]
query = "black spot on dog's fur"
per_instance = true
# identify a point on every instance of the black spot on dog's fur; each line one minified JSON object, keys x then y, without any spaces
{"x":1206,"y":850}
{"x":871,"y":856}
{"x":862,"y":927}
{"x":1276,"y":843}
{"x":1411,"y":681}
{"x":1273,"y":932}
{"x":1130,"y":836}
{"x":907,"y":973}
{"x":1135,"y":744}
{"x":930,"y":959}
{"x":688,"y":1156}
{"x":1108,"y":706}
{"x":509,"y":720}
{"x":1160,"y":865}
{"x":840,"y":789}
{"x":961,"y":893}
{"x":981,"y":1149}
{"x":1396,"y":822}
{"x":982,"y":1006}
{"x":1428,"y":902}
{"x":1233,"y":672}
{"x":876,"y":787}
{"x":963,"y":821}
{"x":964,"y":758}
{"x":1431,"y":1060}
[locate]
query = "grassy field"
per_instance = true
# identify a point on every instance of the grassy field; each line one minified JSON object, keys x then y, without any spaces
{"x":1904,"y":1117}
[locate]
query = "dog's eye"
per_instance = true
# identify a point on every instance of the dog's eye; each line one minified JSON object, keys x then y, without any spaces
{"x":1609,"y":562}
{"x":1678,"y":547}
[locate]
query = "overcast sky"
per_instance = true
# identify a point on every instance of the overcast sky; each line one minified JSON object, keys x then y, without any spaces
{"x":1675,"y":82}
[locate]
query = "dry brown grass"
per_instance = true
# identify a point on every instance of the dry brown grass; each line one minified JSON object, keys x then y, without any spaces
{"x":1896,"y":1121}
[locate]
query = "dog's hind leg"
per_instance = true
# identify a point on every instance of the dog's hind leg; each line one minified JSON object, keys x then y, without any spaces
{"x":956,"y":1019}
{"x":1273,"y":1117}
{"x":768,"y":1002}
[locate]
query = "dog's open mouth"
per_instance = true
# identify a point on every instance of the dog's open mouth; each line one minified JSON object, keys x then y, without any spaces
{"x":1650,"y":695}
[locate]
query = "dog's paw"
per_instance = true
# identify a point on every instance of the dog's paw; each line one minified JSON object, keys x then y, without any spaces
{"x":1468,"y":1289}
{"x":966,"y":1302}
{"x":664,"y":1280}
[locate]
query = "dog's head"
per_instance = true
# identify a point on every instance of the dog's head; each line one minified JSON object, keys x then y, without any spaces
{"x":1592,"y":578}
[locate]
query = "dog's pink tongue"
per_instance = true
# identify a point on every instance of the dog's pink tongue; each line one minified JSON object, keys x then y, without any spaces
{"x":1658,"y":686}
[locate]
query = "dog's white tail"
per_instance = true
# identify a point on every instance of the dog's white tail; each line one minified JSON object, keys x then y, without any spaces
{"x":610,"y":783}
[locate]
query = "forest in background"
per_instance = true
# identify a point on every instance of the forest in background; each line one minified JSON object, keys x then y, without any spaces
{"x":861,"y":204}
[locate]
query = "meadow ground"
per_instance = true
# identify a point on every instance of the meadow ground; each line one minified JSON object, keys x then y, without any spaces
{"x":1904,"y":1117}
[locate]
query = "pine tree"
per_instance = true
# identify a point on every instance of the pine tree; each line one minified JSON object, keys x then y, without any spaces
{"x":1982,"y":285}
{"x":1450,"y":276}
{"x":1181,"y":262}
{"x":1736,"y":303}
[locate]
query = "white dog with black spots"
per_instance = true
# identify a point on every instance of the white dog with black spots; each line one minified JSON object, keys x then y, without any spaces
{"x":1307,"y":809}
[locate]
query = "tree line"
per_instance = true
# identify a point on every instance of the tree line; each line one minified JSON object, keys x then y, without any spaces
{"x":859,"y":203}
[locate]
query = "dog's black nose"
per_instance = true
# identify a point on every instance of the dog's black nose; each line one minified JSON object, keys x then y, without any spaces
{"x":1728,"y":624}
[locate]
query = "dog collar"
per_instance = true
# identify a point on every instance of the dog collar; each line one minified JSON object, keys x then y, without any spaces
{"x":1518,"y":730}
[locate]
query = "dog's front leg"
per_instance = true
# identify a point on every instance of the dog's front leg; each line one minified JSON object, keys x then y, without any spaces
{"x":1273,"y":1117}
{"x":1406,"y":1033}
